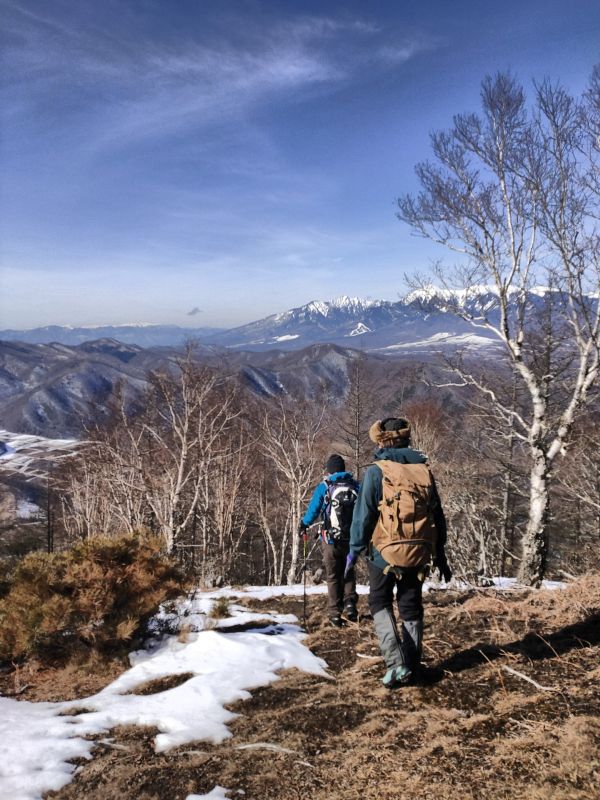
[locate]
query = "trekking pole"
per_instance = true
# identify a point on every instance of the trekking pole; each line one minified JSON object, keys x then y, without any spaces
{"x":304,"y":566}
{"x":307,"y":554}
{"x":305,"y":540}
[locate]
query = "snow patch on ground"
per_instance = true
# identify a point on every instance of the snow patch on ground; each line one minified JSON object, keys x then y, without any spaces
{"x":218,"y":793}
{"x":36,"y":742}
{"x":35,"y":745}
{"x":29,"y":455}
{"x":297,"y":589}
{"x":26,"y":509}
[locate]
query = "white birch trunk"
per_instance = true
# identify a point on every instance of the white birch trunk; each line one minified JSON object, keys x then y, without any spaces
{"x":533,"y":561}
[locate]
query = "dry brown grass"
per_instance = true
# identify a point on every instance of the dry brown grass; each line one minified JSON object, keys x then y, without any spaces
{"x":220,"y":608}
{"x":470,"y":731}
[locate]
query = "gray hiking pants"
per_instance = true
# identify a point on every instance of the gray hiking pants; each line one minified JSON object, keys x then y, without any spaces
{"x":341,"y":592}
{"x":400,"y":645}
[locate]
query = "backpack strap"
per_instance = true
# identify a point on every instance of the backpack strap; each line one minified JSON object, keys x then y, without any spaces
{"x":325,"y":512}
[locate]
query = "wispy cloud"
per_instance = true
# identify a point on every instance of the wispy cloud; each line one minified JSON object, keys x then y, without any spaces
{"x":399,"y":54}
{"x":132,"y":90}
{"x":191,"y":155}
{"x":205,"y":87}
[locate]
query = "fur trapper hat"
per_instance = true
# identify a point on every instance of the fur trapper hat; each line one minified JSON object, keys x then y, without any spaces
{"x":390,"y":432}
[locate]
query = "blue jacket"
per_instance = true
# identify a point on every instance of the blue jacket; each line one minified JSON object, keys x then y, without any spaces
{"x":366,"y":510}
{"x":317,"y":501}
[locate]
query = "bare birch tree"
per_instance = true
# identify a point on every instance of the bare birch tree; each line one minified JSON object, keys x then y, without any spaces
{"x":166,"y":466}
{"x":268,"y":525}
{"x":230,"y":501}
{"x":83,"y":501}
{"x":99,"y":492}
{"x":515,"y":193}
{"x":175,"y":443}
{"x":290,"y":435}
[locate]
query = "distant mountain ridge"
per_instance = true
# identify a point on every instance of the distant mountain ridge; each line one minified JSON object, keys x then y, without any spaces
{"x":55,"y":390}
{"x":372,"y":325}
{"x":143,"y":335}
{"x":378,"y":326}
{"x":416,"y":324}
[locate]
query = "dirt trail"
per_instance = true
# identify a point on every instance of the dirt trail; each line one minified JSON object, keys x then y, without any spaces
{"x":472,"y":730}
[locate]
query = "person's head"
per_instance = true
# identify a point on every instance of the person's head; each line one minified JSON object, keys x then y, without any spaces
{"x":335,"y":463}
{"x":390,"y":432}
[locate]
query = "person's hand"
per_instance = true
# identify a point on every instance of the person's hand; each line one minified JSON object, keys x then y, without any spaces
{"x":444,"y":570}
{"x":350,"y":562}
{"x":302,"y":528}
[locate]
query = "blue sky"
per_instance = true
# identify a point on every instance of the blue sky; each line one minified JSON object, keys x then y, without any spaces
{"x":208,"y":162}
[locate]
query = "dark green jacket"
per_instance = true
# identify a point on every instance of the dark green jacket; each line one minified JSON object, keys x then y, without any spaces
{"x":366,"y":510}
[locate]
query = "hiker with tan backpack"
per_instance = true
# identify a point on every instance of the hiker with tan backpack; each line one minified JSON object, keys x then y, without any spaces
{"x":399,"y":525}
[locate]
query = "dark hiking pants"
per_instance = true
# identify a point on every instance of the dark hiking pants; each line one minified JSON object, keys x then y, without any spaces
{"x":409,"y":593}
{"x":340,"y":592}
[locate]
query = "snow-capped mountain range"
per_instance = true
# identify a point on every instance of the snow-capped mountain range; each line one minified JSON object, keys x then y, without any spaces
{"x":412,"y":325}
{"x":55,"y":389}
{"x":419,"y":323}
{"x":371,"y":325}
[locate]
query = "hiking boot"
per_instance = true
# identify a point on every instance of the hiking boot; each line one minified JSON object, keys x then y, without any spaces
{"x":397,"y":676}
{"x":336,"y":621}
{"x":351,"y":612}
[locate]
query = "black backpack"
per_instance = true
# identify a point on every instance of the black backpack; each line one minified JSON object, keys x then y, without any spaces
{"x":339,"y":507}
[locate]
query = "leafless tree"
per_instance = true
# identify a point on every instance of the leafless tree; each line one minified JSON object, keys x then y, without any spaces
{"x":515,"y":193}
{"x":271,"y":518}
{"x":427,"y":428}
{"x":84,"y":503}
{"x":577,"y":498}
{"x":174,"y":443}
{"x":291,"y":431}
{"x":230,"y":498}
{"x":166,"y":465}
{"x":356,"y":416}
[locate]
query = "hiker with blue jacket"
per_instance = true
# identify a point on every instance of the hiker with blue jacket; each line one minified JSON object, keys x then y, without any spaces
{"x":399,"y":525}
{"x":333,"y":500}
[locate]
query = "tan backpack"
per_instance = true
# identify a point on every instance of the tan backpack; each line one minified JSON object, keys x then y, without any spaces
{"x":405,"y":533}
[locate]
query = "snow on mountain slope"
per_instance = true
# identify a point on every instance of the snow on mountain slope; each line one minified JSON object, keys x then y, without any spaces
{"x":54,"y":389}
{"x":360,"y":328}
{"x":419,"y":317}
{"x":321,"y":321}
{"x":430,"y":319}
{"x":29,"y":455}
{"x":466,"y":341}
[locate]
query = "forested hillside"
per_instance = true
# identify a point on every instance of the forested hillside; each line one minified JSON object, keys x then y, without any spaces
{"x":222,"y":473}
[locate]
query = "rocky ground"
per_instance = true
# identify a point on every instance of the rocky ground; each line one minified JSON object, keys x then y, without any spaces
{"x":508,"y":708}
